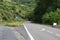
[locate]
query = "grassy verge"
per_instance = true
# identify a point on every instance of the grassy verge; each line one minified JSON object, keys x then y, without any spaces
{"x":12,"y":24}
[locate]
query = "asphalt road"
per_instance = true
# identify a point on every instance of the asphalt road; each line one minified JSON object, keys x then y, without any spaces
{"x":42,"y":32}
{"x":9,"y":33}
{"x":30,"y":31}
{"x":23,"y":32}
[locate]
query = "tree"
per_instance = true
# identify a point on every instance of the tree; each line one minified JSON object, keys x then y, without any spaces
{"x":58,"y":3}
{"x":42,"y":6}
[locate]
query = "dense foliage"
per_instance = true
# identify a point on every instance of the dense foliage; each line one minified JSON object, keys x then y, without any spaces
{"x":11,"y":10}
{"x":40,"y":11}
{"x":51,"y":17}
{"x":42,"y":7}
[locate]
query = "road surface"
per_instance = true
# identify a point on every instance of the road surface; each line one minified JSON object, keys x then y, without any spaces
{"x":41,"y":32}
{"x":30,"y":31}
{"x":23,"y":32}
{"x":9,"y":33}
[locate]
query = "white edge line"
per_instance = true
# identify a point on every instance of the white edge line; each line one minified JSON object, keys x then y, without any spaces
{"x":49,"y":32}
{"x":31,"y":37}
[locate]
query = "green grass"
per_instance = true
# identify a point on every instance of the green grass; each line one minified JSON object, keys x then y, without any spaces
{"x":12,"y":24}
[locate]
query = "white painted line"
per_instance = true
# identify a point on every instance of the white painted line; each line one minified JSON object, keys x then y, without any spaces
{"x":43,"y":29}
{"x":31,"y":37}
{"x":49,"y":32}
{"x":58,"y":35}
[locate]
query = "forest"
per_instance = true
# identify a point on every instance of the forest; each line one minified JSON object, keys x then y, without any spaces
{"x":38,"y":11}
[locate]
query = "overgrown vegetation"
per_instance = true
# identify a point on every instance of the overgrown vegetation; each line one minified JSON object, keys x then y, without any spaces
{"x":51,"y":17}
{"x":42,"y":7}
{"x":12,"y":11}
{"x":15,"y":11}
{"x":39,"y":11}
{"x":12,"y":24}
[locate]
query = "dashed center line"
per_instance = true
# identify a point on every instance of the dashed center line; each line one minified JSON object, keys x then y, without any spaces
{"x":43,"y":29}
{"x":58,"y":35}
{"x":49,"y":32}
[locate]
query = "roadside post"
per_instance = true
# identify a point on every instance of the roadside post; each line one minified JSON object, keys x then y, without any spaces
{"x":54,"y":25}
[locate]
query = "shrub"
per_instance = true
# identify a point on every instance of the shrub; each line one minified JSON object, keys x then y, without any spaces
{"x":51,"y":17}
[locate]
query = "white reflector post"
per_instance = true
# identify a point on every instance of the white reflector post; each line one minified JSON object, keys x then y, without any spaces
{"x":54,"y":24}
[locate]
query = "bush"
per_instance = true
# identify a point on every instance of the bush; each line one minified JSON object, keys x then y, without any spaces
{"x":12,"y":24}
{"x":51,"y":17}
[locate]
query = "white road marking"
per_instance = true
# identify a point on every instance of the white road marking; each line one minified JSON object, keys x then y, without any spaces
{"x":58,"y":35}
{"x":43,"y":29}
{"x":49,"y":32}
{"x":31,"y":37}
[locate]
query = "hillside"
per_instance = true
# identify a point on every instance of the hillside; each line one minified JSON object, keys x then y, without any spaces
{"x":15,"y":9}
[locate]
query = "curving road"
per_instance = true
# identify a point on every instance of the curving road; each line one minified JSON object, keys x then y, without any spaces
{"x":30,"y":31}
{"x":41,"y":32}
